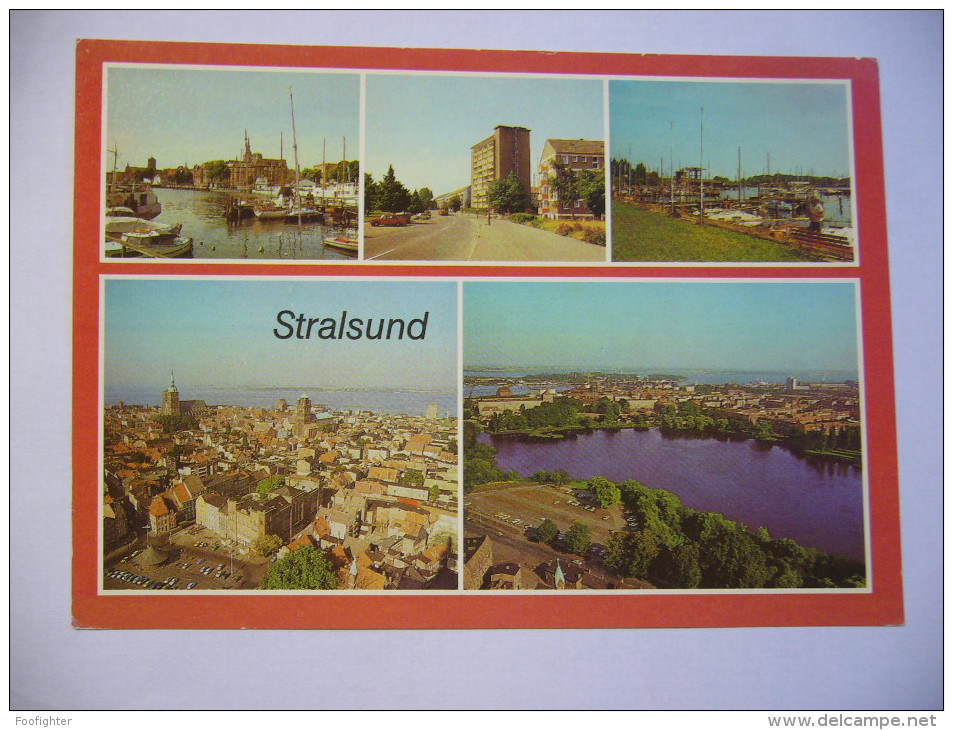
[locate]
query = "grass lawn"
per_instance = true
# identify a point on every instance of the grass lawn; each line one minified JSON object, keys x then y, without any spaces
{"x":643,"y":235}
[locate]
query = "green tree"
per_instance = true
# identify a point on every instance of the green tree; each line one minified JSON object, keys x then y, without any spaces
{"x":578,"y":538}
{"x":392,"y":196}
{"x":411,"y":478}
{"x":563,"y":182}
{"x":606,"y":492}
{"x":426,"y":198}
{"x":546,"y":532}
{"x":267,"y":545}
{"x":680,"y":565}
{"x":303,"y":569}
{"x":639,"y":174}
{"x":370,"y":192}
{"x":217,"y":170}
{"x":269,"y":484}
{"x":591,"y":185}
{"x":508,"y":195}
{"x":455,"y":203}
{"x":631,"y":554}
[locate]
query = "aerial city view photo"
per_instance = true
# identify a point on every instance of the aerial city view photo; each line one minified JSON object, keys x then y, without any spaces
{"x":476,"y":168}
{"x":731,"y":171}
{"x":279,"y":435}
{"x":220,"y":163}
{"x":705,"y":436}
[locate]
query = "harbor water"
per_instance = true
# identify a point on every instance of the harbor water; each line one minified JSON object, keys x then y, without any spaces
{"x":201,"y":213}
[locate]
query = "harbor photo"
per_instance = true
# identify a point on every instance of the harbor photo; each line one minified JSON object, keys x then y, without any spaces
{"x":706,"y":436}
{"x":479,"y":168}
{"x":215,"y":163}
{"x":278,"y":435}
{"x":731,"y":171}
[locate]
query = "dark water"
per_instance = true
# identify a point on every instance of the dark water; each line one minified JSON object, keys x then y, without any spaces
{"x":201,"y":215}
{"x":818,"y":503}
{"x":409,"y":402}
{"x":836,"y":207}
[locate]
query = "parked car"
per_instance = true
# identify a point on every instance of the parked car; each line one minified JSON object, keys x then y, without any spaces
{"x":443,"y":211}
{"x":389,"y":219}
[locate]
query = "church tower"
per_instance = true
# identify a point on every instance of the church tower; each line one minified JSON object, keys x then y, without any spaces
{"x":170,"y":399}
{"x":559,"y":579}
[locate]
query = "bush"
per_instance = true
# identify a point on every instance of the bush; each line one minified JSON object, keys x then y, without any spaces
{"x":565,"y":229}
{"x":594,"y":235}
{"x":523,"y":218}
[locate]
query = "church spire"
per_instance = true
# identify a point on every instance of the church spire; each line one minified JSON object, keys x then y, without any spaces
{"x":559,"y":579}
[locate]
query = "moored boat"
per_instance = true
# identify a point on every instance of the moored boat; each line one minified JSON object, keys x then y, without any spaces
{"x":343,"y":243}
{"x":176,"y":248}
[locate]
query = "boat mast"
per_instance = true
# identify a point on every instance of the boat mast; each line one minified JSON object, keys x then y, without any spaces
{"x":294,"y":144}
{"x":701,"y":163}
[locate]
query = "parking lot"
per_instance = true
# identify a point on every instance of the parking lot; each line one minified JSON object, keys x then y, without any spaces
{"x":521,"y":508}
{"x":197,"y":560}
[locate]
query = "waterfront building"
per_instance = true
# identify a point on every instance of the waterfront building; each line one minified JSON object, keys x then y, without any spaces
{"x":505,"y":151}
{"x":245,"y":172}
{"x":577,"y":155}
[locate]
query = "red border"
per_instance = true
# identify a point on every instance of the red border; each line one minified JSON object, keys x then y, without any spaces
{"x":884,"y":605}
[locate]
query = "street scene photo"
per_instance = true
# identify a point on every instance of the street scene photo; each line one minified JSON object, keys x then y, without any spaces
{"x":279,"y":435}
{"x":731,"y":171}
{"x":235,"y":164}
{"x":477,"y":168}
{"x":705,"y":436}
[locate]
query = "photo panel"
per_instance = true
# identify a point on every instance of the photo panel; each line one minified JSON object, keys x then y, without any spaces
{"x":475,"y":169}
{"x":700,"y":438}
{"x":222,"y":163}
{"x":281,"y":435}
{"x":740,"y":171}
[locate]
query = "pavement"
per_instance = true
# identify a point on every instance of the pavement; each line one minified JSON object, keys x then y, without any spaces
{"x":465,"y":237}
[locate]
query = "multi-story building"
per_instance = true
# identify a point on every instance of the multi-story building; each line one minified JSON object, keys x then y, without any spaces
{"x":577,"y":155}
{"x":246,"y":172}
{"x":503,"y":152}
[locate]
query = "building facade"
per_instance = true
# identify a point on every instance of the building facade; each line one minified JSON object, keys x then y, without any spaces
{"x":252,"y":167}
{"x":577,"y":155}
{"x":503,"y":152}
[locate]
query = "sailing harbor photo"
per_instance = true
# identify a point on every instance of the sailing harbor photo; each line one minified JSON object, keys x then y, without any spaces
{"x":230,"y":164}
{"x":731,"y":171}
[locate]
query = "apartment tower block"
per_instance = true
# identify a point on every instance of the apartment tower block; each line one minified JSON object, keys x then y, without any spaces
{"x":503,"y":152}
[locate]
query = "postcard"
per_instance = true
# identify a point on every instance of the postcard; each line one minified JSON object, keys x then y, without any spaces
{"x":388,"y":338}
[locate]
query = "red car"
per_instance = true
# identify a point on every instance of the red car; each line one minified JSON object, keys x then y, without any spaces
{"x":389,"y":219}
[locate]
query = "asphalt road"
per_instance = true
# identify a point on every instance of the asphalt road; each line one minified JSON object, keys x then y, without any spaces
{"x":462,"y":237}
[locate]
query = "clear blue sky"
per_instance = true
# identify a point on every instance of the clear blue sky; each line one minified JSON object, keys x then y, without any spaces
{"x":712,"y":325}
{"x":193,"y":115}
{"x":803,"y":126}
{"x":425,"y":125}
{"x":214,"y":332}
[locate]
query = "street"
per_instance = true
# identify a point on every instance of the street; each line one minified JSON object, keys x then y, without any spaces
{"x":465,"y":237}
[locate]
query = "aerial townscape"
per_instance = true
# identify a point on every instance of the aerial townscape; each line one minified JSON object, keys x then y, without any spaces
{"x":292,"y":496}
{"x":532,"y":190}
{"x":705,"y":436}
{"x":551,"y":531}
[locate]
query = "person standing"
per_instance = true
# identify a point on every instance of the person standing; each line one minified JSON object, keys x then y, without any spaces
{"x":815,"y":211}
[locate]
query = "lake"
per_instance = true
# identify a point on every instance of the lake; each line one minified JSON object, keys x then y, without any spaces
{"x":201,"y":214}
{"x":817,"y":502}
